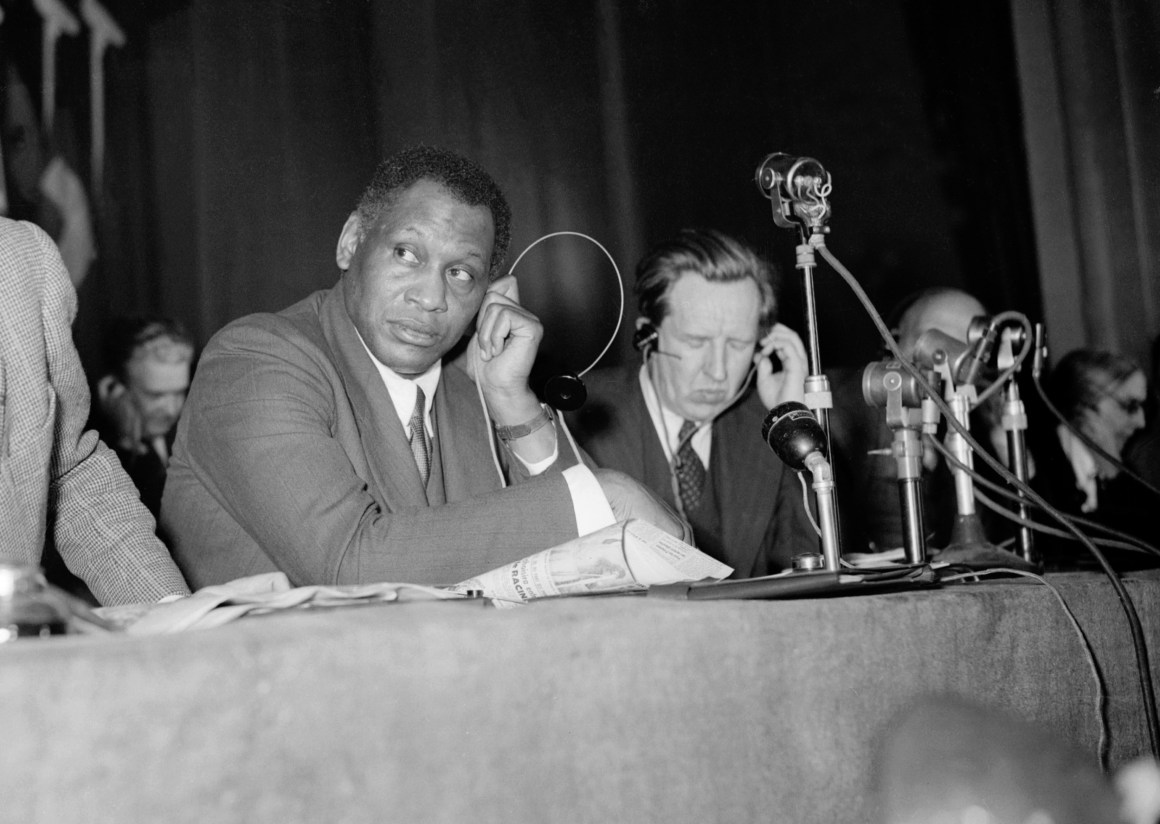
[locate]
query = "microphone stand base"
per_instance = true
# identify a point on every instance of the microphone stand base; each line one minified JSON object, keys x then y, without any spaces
{"x":982,"y":556}
{"x":970,"y":548}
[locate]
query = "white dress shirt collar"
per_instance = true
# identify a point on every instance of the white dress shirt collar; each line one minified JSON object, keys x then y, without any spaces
{"x":402,"y":390}
{"x":668,"y":423}
{"x":1083,"y":463}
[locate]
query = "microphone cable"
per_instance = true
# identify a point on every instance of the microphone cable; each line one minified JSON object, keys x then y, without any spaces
{"x":1024,"y":350}
{"x":1089,"y":653}
{"x":1123,"y":540}
{"x":1137,"y":632}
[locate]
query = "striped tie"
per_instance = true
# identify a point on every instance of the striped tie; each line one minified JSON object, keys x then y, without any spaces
{"x":420,"y":444}
{"x":690,"y":470}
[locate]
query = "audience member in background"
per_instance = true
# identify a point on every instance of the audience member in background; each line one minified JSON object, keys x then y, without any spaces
{"x":58,"y":482}
{"x":1143,"y":452}
{"x":687,"y":422}
{"x":944,"y":759}
{"x":1102,"y":394}
{"x":865,"y":468}
{"x":332,"y":442}
{"x":141,"y":397}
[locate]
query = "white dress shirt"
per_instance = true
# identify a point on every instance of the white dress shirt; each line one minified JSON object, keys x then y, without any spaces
{"x":668,"y":424}
{"x":589,"y":504}
{"x":1083,"y":463}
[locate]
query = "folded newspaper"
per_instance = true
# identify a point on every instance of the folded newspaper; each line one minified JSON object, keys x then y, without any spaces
{"x":623,"y":557}
{"x":633,"y":555}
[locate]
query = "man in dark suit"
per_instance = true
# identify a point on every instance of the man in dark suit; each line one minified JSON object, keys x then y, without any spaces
{"x":140,"y":398}
{"x":331,"y":441}
{"x":687,"y":422}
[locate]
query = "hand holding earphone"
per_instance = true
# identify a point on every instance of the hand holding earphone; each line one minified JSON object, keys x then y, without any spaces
{"x":507,"y":336}
{"x":788,"y":384}
{"x":500,"y":356}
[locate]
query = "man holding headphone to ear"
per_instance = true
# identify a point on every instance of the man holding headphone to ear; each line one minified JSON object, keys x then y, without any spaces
{"x":687,"y":421}
{"x":331,"y":440}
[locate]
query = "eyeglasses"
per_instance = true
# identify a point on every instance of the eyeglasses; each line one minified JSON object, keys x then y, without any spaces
{"x":1131,"y":406}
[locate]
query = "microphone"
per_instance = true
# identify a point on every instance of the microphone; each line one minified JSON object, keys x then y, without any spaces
{"x":1040,"y":352}
{"x":982,"y":332}
{"x":794,"y":434}
{"x":934,"y":349}
{"x":798,"y":186}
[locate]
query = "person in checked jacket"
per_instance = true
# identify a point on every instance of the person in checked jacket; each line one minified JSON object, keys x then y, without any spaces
{"x":57,"y":480}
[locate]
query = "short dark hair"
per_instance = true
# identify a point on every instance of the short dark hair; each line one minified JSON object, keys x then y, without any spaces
{"x":462,"y":177}
{"x":715,"y":256}
{"x":126,"y":335}
{"x":1083,"y":376}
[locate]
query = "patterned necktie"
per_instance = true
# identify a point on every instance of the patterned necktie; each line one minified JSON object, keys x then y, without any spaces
{"x":690,"y":470}
{"x":420,"y":445}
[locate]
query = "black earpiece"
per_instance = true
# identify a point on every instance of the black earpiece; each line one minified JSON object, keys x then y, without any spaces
{"x":565,"y":392}
{"x":644,"y":339}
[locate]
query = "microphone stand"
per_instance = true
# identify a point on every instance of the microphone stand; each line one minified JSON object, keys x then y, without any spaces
{"x":968,"y":546}
{"x":817,"y":386}
{"x":798,"y":188}
{"x":887,"y":384}
{"x":823,"y":486}
{"x":1014,"y":423}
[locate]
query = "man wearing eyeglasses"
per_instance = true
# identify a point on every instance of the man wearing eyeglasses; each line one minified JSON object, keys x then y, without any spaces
{"x":1101,"y":395}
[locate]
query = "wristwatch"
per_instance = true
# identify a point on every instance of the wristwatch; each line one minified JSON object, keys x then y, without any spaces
{"x":522,"y":430}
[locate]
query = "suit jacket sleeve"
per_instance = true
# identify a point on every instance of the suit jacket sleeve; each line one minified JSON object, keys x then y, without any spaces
{"x":270,"y":435}
{"x":102,"y":531}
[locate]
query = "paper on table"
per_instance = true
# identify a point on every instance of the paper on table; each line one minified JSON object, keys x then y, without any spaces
{"x":213,"y":606}
{"x":623,"y":557}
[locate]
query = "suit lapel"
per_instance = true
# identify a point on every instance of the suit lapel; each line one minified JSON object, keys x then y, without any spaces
{"x":653,"y":467}
{"x":746,"y":493}
{"x":384,"y":441}
{"x":463,"y":434}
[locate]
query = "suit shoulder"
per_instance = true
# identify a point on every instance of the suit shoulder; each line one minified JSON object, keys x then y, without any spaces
{"x":296,"y":327}
{"x":613,"y":401}
{"x":610,"y":385}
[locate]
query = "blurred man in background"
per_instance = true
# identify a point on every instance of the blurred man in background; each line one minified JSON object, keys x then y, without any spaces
{"x":140,"y":399}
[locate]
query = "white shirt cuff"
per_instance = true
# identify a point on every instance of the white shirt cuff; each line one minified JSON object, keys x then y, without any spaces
{"x":540,"y":466}
{"x":592,"y":509}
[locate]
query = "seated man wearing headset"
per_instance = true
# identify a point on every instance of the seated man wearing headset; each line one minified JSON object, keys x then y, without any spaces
{"x":330,"y":440}
{"x":687,"y":421}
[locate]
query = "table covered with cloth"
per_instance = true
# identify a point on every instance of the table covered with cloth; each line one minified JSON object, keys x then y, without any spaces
{"x":597,"y":709}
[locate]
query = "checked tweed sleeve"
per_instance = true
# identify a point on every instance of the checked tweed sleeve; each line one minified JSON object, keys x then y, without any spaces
{"x":103,"y":532}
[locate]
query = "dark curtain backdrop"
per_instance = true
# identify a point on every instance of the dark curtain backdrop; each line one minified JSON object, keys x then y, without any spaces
{"x":240,"y":135}
{"x":1090,"y":74}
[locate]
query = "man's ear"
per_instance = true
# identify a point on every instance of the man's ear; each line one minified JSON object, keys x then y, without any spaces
{"x":109,"y":389}
{"x":348,"y":241}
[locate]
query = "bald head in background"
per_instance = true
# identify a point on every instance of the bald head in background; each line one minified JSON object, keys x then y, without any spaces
{"x":948,"y":310}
